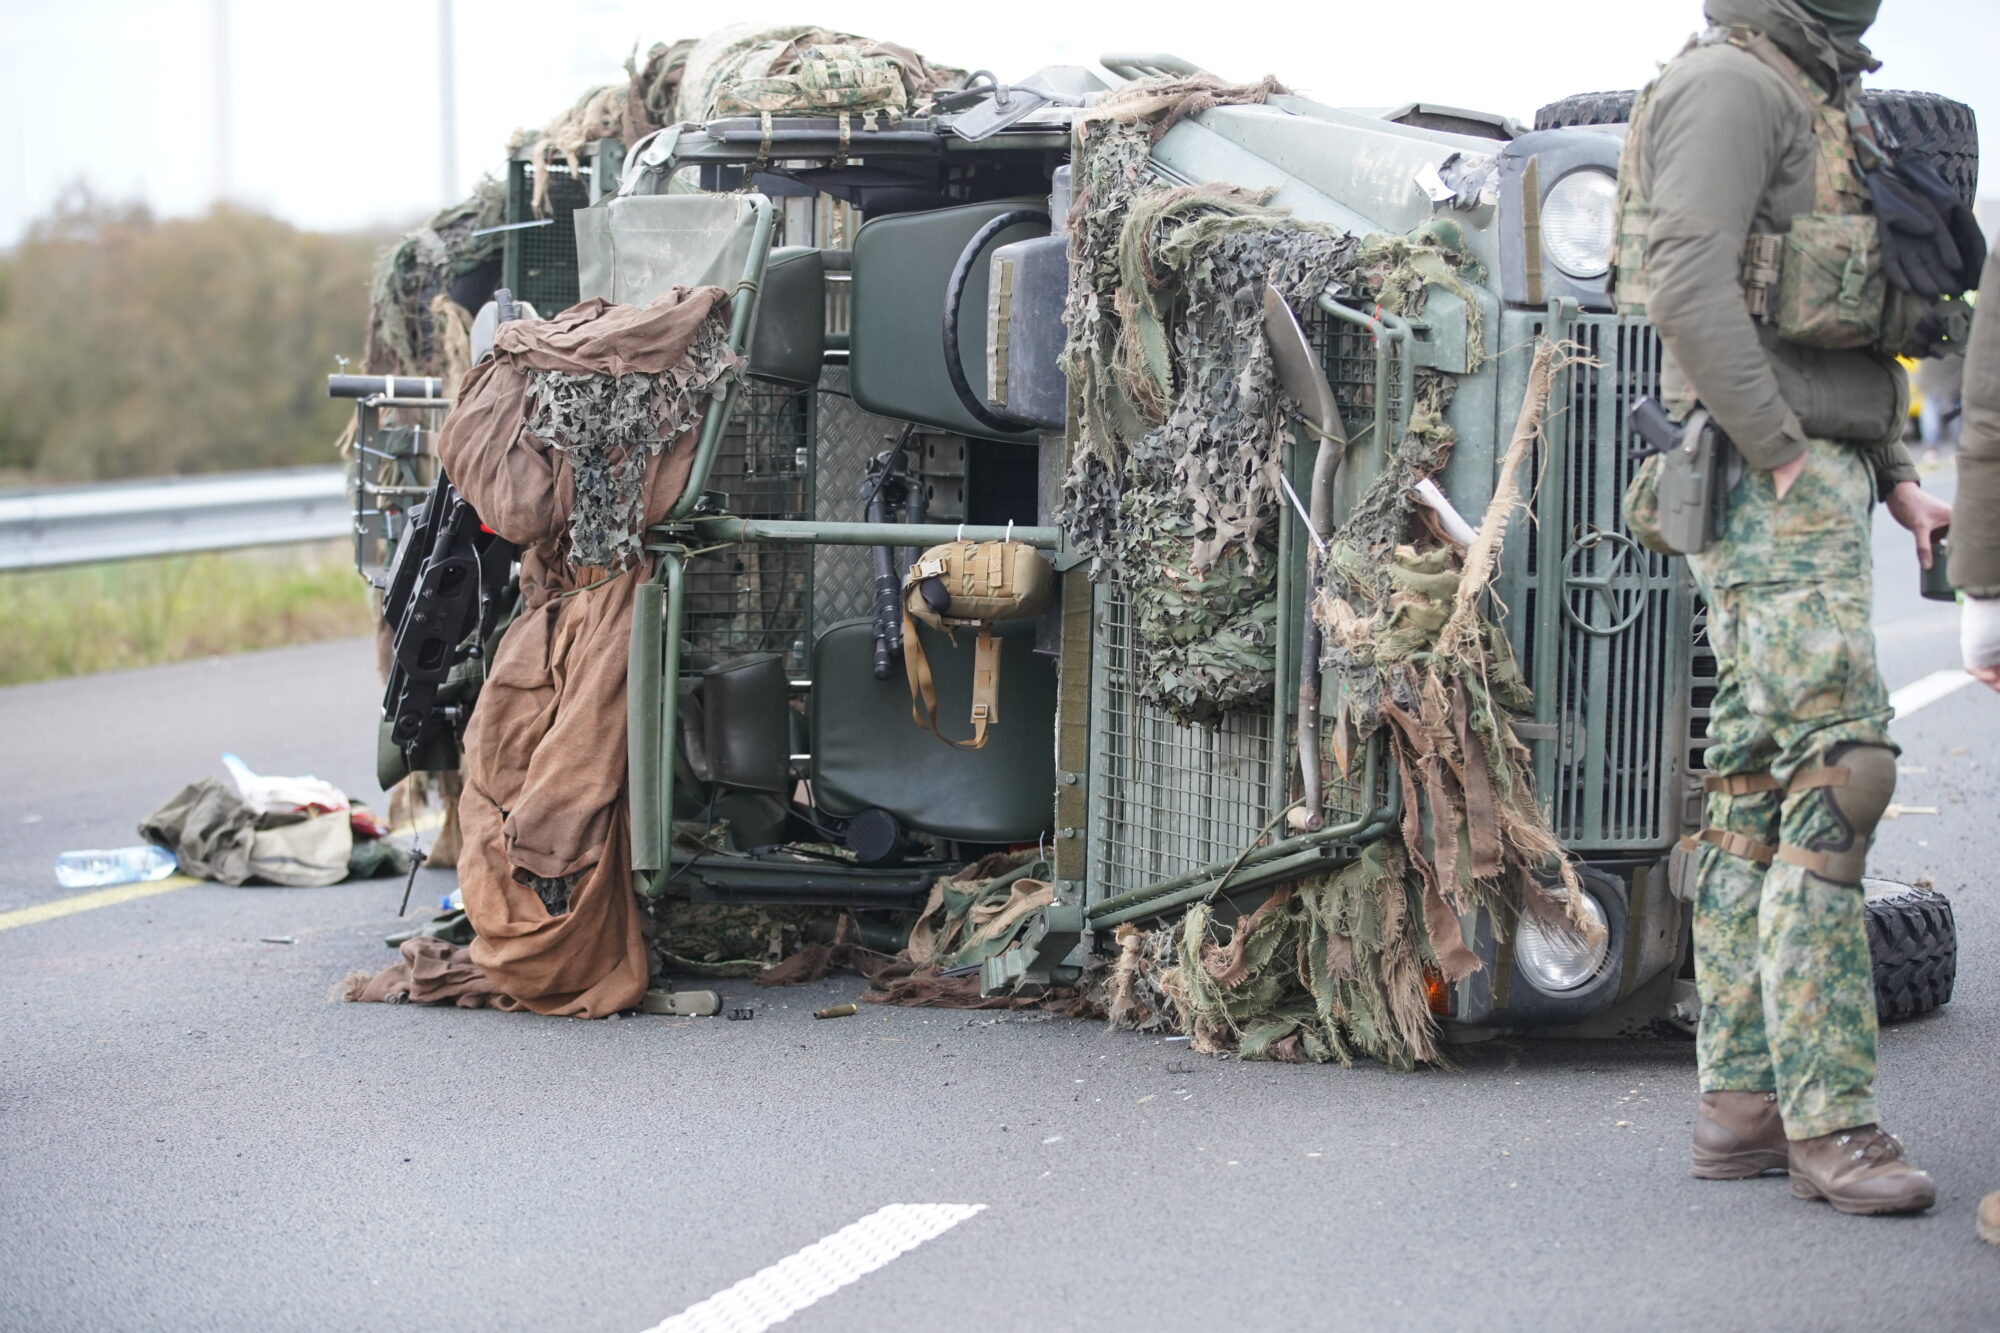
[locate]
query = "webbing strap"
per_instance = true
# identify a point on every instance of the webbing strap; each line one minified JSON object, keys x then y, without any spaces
{"x":1832,"y":776}
{"x":1736,"y":844}
{"x":1817,"y":862}
{"x":1746,"y":784}
{"x":1741,"y":784}
{"x":1761,"y":255}
{"x":923,"y":688}
{"x":1840,"y":867}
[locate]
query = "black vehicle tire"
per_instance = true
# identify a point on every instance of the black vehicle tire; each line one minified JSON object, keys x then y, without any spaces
{"x":1936,"y":127}
{"x":1913,"y":945}
{"x":1586,"y":109}
{"x":1945,"y":131}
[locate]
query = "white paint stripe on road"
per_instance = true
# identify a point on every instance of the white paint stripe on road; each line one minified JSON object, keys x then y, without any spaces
{"x":1923,"y":693}
{"x":773,"y":1295}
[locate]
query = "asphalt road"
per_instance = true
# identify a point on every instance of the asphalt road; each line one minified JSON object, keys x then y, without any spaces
{"x":193,"y":1137}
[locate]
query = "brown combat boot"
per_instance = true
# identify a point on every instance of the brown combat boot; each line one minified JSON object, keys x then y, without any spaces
{"x":1738,"y":1135}
{"x":1860,"y":1170}
{"x":1988,"y":1221}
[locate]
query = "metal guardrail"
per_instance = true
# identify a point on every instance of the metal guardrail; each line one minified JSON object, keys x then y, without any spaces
{"x":76,"y":525}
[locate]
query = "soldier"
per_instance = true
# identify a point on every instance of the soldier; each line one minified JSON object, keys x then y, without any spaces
{"x":1745,"y":133}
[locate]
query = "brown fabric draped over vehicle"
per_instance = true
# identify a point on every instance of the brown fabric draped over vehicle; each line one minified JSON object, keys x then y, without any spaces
{"x":544,"y":804}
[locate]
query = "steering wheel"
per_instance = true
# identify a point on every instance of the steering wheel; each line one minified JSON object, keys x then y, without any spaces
{"x":954,"y":297}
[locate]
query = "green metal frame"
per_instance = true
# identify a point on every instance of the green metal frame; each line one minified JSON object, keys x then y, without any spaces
{"x":652,"y":696}
{"x":742,"y":325}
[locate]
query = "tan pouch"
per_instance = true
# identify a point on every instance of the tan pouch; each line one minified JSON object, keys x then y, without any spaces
{"x":1830,"y":287}
{"x":970,"y":584}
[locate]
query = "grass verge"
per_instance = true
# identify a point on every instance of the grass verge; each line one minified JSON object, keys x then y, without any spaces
{"x":70,"y":622}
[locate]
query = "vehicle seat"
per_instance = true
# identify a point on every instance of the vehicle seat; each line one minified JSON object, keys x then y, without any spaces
{"x":868,"y":753}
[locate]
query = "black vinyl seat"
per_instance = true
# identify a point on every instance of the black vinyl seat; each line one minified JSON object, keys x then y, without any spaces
{"x":868,"y":753}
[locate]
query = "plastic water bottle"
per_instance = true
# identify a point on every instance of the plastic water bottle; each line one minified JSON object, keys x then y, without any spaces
{"x":119,"y":865}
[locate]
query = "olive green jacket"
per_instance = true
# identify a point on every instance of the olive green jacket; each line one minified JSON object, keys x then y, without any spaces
{"x":1728,"y":149}
{"x":1975,"y":524}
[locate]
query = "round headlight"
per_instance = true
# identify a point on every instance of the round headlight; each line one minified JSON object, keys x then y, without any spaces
{"x":1562,"y":962}
{"x":1580,"y":223}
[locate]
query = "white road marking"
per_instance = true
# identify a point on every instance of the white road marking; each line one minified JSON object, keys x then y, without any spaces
{"x":773,"y":1295}
{"x":1927,"y":691}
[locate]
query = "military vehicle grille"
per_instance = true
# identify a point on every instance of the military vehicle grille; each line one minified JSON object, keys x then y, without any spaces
{"x":1626,"y":620}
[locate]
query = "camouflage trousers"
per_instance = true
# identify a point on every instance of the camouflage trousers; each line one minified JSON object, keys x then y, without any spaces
{"x":1781,"y":955}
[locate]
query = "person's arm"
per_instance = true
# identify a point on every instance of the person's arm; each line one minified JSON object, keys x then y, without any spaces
{"x":1979,"y":638}
{"x":1975,"y":538}
{"x":1893,"y":466}
{"x":1715,"y":133}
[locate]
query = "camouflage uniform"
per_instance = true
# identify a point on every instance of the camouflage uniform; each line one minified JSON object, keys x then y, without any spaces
{"x":1781,"y":953}
{"x":1743,"y":152}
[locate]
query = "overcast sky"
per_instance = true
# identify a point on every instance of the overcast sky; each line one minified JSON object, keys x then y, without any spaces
{"x":336,"y":111}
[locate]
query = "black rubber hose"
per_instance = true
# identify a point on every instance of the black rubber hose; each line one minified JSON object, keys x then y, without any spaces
{"x":954,"y":296}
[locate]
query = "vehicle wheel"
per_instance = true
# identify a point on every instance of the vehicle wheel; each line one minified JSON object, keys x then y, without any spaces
{"x":1937,"y":127}
{"x":1945,"y":131}
{"x":1913,"y":944}
{"x":1586,"y":109}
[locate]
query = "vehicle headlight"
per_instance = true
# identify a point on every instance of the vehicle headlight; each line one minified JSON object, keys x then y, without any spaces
{"x":1562,"y":962}
{"x":1580,"y":223}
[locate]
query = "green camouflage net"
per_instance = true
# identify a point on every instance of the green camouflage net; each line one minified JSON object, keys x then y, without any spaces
{"x":1174,"y":483}
{"x":1344,"y":965}
{"x":405,"y":334}
{"x":723,"y":939}
{"x":609,"y":425}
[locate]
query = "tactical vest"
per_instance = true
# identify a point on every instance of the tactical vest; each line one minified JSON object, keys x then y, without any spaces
{"x":1820,"y":284}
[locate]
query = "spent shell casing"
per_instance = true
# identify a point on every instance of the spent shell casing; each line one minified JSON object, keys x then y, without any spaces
{"x":836,"y":1011}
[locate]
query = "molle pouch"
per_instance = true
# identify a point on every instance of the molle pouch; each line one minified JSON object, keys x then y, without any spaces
{"x":970,"y":584}
{"x":1830,"y":288}
{"x":841,"y":78}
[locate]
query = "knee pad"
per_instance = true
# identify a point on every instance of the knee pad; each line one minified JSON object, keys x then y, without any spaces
{"x":1854,"y":788}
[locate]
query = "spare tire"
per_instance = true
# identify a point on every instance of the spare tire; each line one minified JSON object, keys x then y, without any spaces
{"x":1945,"y":131}
{"x":1586,"y":109}
{"x":1938,"y":128}
{"x":1913,"y":945}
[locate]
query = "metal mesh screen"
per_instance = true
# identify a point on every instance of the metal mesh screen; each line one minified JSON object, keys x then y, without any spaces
{"x":756,"y":596}
{"x":1622,"y":676}
{"x":843,"y":577}
{"x":539,"y":263}
{"x":1167,"y":799}
{"x":1348,"y":355}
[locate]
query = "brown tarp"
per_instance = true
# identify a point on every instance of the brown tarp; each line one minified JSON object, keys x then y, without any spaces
{"x":545,"y":750}
{"x":432,"y":972}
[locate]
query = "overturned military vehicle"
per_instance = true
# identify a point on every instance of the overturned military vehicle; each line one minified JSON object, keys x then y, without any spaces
{"x":1134,"y":542}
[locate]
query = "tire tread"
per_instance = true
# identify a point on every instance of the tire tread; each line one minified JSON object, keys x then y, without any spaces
{"x":1913,"y":946}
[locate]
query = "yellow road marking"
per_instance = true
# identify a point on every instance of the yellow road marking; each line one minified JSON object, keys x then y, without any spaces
{"x":84,"y":902}
{"x":125,"y":893}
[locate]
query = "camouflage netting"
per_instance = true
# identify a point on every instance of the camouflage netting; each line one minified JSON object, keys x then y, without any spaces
{"x":1343,"y":964}
{"x":737,"y":71}
{"x":409,"y":330}
{"x":732,"y":71}
{"x":610,"y":426}
{"x":1174,"y":481}
{"x":1173,"y":491}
